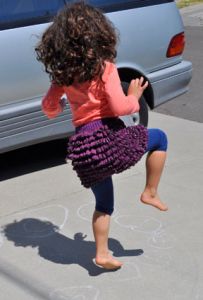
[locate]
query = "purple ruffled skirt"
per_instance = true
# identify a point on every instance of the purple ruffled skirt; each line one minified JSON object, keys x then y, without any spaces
{"x":105,"y":147}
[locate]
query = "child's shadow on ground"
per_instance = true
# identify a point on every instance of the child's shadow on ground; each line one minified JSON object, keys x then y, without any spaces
{"x":59,"y":248}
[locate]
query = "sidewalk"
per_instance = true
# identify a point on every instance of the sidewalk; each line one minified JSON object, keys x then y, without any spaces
{"x":192,"y":15}
{"x":162,"y":252}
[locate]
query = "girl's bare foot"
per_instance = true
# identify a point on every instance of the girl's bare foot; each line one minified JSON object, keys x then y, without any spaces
{"x":152,"y":198}
{"x":108,"y":262}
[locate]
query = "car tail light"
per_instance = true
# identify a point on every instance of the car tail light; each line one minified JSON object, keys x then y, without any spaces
{"x":176,"y":45}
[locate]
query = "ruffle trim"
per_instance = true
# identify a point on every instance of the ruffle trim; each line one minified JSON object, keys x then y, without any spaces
{"x":106,"y":151}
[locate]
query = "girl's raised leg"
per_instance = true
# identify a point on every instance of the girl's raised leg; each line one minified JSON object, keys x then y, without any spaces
{"x":155,"y":161}
{"x":154,"y":166}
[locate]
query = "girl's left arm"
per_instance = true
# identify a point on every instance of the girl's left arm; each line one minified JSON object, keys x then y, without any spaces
{"x":51,"y":103}
{"x":119,"y":103}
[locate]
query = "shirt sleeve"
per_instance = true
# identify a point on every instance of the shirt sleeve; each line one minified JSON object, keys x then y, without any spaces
{"x":51,"y":103}
{"x":119,"y":103}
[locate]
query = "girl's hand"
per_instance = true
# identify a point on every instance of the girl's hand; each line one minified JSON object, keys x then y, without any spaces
{"x":62,"y":103}
{"x":137,"y":87}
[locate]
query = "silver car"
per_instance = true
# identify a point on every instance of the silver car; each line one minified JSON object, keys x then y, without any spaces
{"x":151,"y":44}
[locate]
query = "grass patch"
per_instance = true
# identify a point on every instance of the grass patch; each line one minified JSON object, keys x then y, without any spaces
{"x":184,"y":3}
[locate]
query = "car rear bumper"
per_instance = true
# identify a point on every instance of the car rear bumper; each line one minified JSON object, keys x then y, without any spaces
{"x":170,"y":82}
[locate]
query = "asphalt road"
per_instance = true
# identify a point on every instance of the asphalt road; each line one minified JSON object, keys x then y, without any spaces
{"x":190,"y":105}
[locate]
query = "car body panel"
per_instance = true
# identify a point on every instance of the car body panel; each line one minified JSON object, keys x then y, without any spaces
{"x":144,"y":35}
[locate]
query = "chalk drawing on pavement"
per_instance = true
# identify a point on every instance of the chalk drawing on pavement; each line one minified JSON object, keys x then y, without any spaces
{"x":160,"y":239}
{"x":85,"y":211}
{"x":138,"y":223}
{"x":75,"y":293}
{"x":54,"y":214}
{"x":129,"y":271}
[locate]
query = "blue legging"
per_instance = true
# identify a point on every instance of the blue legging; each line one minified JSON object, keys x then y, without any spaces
{"x":103,"y":191}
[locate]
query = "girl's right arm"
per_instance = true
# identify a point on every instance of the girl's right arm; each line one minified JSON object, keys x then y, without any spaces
{"x":51,"y":103}
{"x":121,"y":104}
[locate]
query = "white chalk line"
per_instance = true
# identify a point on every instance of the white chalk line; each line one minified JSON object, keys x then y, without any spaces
{"x":80,"y":208}
{"x":65,"y":209}
{"x":158,"y":237}
{"x":156,"y":258}
{"x":160,"y":240}
{"x":138,"y":227}
{"x":122,"y":275}
{"x":42,"y":233}
{"x":75,"y":292}
{"x":84,"y":217}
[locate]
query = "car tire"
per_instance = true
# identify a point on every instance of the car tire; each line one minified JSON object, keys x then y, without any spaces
{"x":142,"y":116}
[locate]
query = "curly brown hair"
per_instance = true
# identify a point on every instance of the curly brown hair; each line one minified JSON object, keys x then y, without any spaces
{"x":76,"y":45}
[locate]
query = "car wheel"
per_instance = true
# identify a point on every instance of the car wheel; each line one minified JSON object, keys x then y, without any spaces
{"x":142,"y":116}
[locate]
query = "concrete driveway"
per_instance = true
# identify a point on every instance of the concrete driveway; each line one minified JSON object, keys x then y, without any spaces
{"x":46,"y":242}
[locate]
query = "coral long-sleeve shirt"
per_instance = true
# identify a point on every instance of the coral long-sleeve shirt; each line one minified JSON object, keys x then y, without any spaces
{"x":92,"y":100}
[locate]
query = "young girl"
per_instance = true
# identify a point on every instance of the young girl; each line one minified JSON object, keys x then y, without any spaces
{"x":78,"y":51}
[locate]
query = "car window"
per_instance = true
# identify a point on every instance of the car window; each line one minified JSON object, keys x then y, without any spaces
{"x":115,"y":5}
{"x":15,"y":13}
{"x":19,"y":13}
{"x":108,"y":2}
